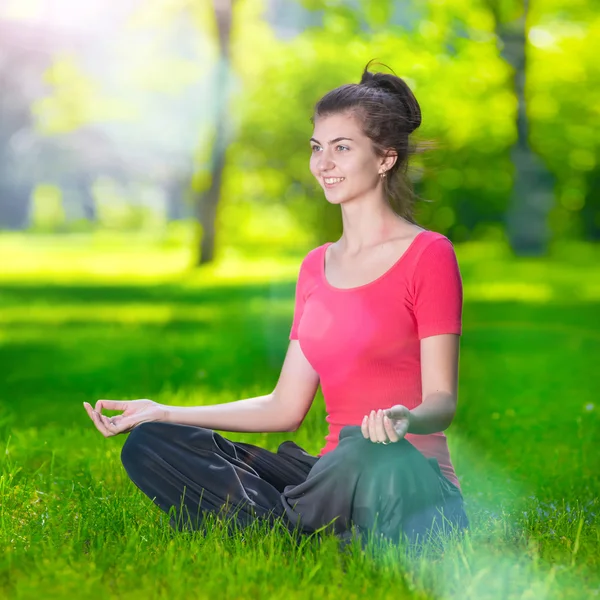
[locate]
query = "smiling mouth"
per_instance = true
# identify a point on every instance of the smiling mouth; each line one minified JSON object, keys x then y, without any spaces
{"x":331,"y":181}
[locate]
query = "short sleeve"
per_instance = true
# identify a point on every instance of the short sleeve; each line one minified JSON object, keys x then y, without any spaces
{"x":299,"y":303}
{"x":438,"y":290}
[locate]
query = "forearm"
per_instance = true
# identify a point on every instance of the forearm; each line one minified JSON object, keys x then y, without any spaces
{"x":434,"y":414}
{"x":254,"y":415}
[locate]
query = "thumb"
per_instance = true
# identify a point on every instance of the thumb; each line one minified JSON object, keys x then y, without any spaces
{"x":396,"y":412}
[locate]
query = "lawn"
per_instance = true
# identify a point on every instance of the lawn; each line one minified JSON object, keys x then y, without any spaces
{"x":82,"y":320}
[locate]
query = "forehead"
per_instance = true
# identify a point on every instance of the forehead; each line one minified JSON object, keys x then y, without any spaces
{"x":337,"y":125}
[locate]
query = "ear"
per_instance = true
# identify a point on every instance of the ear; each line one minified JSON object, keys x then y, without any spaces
{"x":389,"y":160}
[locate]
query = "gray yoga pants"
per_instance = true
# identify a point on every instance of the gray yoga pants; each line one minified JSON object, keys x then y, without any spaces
{"x":360,"y":486}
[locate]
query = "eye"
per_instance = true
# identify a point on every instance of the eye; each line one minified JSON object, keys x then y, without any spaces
{"x":315,"y":147}
{"x":346,"y":147}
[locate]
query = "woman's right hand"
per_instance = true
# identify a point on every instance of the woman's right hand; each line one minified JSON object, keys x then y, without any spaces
{"x":134,"y":413}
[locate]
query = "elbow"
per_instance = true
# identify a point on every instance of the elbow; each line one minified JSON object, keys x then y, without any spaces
{"x":296,"y":425}
{"x":446,"y":425}
{"x":448,"y":420}
{"x":439,"y":411}
{"x":449,"y":410}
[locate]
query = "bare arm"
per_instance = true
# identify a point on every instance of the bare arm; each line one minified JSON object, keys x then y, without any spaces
{"x":283,"y":409}
{"x":439,"y":378}
{"x":251,"y":415}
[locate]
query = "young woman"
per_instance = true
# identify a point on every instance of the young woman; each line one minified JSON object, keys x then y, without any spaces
{"x":377,"y":320}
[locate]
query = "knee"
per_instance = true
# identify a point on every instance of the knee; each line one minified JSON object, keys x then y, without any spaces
{"x":147,"y":441}
{"x":137,"y":443}
{"x":370,"y":452}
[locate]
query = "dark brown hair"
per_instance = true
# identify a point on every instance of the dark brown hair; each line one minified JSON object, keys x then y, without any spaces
{"x":388,"y":112}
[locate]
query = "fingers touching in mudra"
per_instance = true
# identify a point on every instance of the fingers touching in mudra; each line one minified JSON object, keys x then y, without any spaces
{"x":134,"y":413}
{"x":386,"y":425}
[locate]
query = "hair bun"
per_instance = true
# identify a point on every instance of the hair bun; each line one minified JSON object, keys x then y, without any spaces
{"x":399,"y":89}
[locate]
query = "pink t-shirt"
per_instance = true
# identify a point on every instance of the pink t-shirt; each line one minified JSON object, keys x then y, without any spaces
{"x":364,"y":342}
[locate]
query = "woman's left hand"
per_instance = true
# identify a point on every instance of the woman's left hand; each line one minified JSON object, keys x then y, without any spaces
{"x":386,"y":425}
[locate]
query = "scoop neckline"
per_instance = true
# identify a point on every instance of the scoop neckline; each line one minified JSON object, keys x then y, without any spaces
{"x":370,"y":283}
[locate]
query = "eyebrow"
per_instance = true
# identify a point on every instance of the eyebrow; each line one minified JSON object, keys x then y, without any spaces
{"x":339,"y":139}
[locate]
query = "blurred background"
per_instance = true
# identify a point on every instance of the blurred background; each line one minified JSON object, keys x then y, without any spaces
{"x":188,"y":122}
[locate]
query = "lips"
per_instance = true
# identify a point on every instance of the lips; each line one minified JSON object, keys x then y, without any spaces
{"x":330,"y":185}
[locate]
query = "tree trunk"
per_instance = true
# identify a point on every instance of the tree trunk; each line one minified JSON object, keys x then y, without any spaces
{"x":207,"y":203}
{"x":532,"y":196}
{"x":590,"y":213}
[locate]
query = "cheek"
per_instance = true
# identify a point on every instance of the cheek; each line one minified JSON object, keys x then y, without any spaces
{"x":358,"y":166}
{"x":314,"y":167}
{"x":357,"y":169}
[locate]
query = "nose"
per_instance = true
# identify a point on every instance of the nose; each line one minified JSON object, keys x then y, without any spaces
{"x":325,"y":163}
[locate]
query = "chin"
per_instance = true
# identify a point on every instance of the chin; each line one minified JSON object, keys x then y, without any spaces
{"x":338,"y":200}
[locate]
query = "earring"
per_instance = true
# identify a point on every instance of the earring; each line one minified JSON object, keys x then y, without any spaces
{"x":382,"y":174}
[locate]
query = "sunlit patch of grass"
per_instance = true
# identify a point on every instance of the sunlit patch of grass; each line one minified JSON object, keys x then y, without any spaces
{"x":128,"y":314}
{"x":104,"y":313}
{"x":130,"y":260}
{"x":517,"y":290}
{"x":73,"y":525}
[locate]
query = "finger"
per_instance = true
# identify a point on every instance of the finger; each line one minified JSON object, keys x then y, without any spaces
{"x":104,"y":424}
{"x":106,"y":421}
{"x":379,"y":427}
{"x":100,"y":426}
{"x":369,"y":426}
{"x":111,"y":405}
{"x":389,"y":428}
{"x":364,"y":427}
{"x":372,"y":427}
{"x":114,"y":418}
{"x":94,"y":416}
{"x":116,"y":425}
{"x":401,"y":427}
{"x":125,"y":425}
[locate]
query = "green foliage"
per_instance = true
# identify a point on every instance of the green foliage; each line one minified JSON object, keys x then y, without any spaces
{"x":451,"y":59}
{"x":450,"y":54}
{"x":119,"y":208}
{"x":76,"y":100}
{"x":47,"y":212}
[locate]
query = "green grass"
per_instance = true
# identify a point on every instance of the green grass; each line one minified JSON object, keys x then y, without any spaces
{"x":81,"y":320}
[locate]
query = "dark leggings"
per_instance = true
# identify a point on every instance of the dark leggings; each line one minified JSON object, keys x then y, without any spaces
{"x":390,"y":490}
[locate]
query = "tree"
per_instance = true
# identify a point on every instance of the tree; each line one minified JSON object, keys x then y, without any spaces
{"x":21,"y":63}
{"x":206,"y":203}
{"x":532,"y":195}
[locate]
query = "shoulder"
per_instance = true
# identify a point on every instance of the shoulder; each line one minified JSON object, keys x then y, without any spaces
{"x":312,"y":261}
{"x":310,"y":268}
{"x":435,"y":264}
{"x":434,"y":246}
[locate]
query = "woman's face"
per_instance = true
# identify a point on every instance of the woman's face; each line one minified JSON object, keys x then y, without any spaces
{"x":342,"y":158}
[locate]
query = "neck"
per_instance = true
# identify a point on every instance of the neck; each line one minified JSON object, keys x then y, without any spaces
{"x":367,"y":224}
